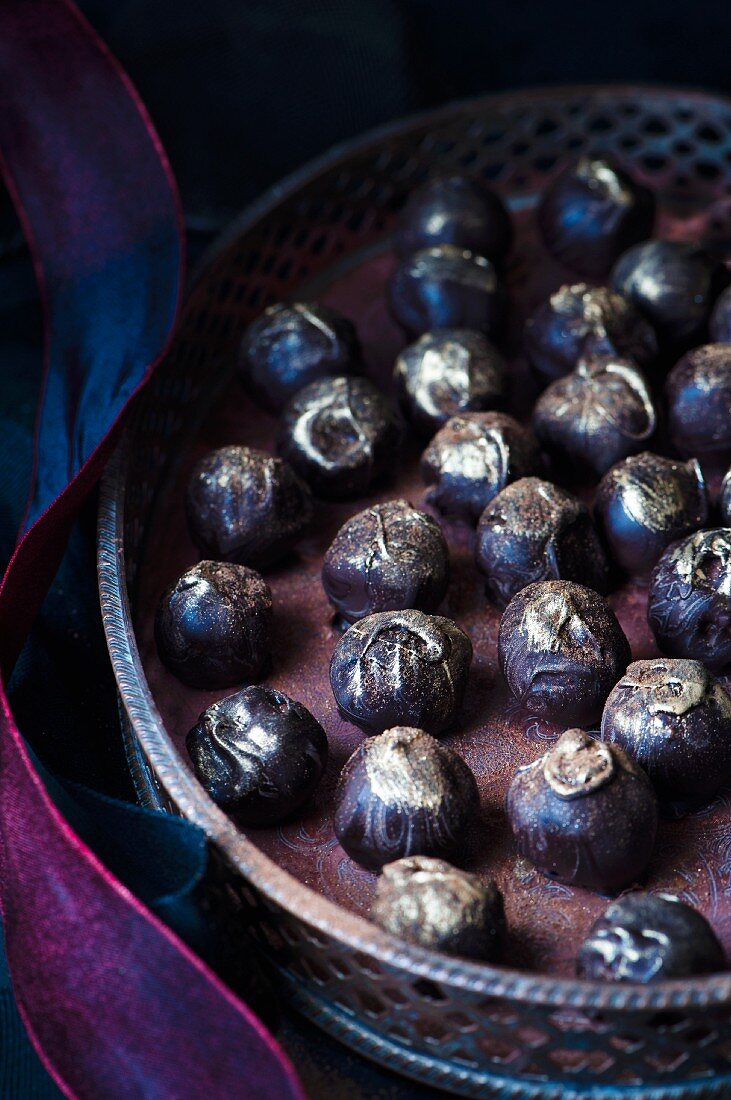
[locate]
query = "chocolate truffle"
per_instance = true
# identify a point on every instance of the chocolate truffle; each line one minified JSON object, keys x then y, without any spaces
{"x":646,"y":502}
{"x":674,"y":285}
{"x":561,"y":650}
{"x":388,"y":558}
{"x":292,"y":345}
{"x":719,"y":326}
{"x":584,"y":814}
{"x":339,"y":434}
{"x":401,"y":667}
{"x":403,"y":794}
{"x":454,"y":211}
{"x":258,"y":754}
{"x":246,"y":506}
{"x":472,"y":458}
{"x":448,"y":372}
{"x":534,"y":531}
{"x":689,"y":603}
{"x":591,"y":213}
{"x":724,"y":500}
{"x":213,"y":626}
{"x":433,"y":904}
{"x":447,"y":287}
{"x":597,"y":415}
{"x":674,"y":719}
{"x":649,"y":937}
{"x":580,"y":322}
{"x":698,"y":393}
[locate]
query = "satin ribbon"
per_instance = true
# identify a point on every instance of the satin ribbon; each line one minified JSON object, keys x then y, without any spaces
{"x":115,"y":1004}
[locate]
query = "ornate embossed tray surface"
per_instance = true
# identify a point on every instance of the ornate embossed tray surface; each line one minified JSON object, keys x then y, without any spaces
{"x":526,"y":1029}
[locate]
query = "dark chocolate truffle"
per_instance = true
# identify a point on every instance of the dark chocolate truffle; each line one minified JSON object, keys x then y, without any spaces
{"x":597,"y":415}
{"x":431,"y":903}
{"x":403,"y":794}
{"x":292,"y":345}
{"x":561,"y":650}
{"x":584,"y":814}
{"x":689,"y":603}
{"x":339,"y":434}
{"x":213,"y":626}
{"x":646,"y":502}
{"x":447,"y":287}
{"x":674,"y":285}
{"x":649,"y":937}
{"x":534,"y":531}
{"x":258,"y":754}
{"x":591,"y":213}
{"x":719,"y":326}
{"x":581,"y":322}
{"x":698,"y":392}
{"x":674,"y":719}
{"x":401,"y":667}
{"x":472,"y":458}
{"x":448,"y":372}
{"x":388,"y":558}
{"x":724,"y":500}
{"x":453,"y":210}
{"x":246,"y":506}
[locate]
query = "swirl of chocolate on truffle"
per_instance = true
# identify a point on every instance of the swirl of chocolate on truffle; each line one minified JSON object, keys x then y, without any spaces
{"x":534,"y":531}
{"x":246,"y":506}
{"x":674,"y":285}
{"x":213,"y":626}
{"x":454,"y":211}
{"x":445,"y":373}
{"x":429,"y":902}
{"x":561,"y":650}
{"x":401,"y":668}
{"x":403,"y":794}
{"x":674,"y":718}
{"x":647,"y":937}
{"x":646,"y":502}
{"x":578,"y":765}
{"x":340,"y":434}
{"x":698,"y":392}
{"x":291,"y":345}
{"x":472,"y":458}
{"x":592,"y":212}
{"x":581,"y":322}
{"x":388,"y":558}
{"x":258,"y":753}
{"x":689,"y":602}
{"x":447,"y":287}
{"x":600,"y":413}
{"x":584,"y":814}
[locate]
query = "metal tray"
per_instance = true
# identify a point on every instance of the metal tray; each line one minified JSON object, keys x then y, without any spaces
{"x":526,"y":1029}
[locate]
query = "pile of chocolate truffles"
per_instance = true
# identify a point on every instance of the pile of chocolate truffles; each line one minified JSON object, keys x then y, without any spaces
{"x":605,"y":483}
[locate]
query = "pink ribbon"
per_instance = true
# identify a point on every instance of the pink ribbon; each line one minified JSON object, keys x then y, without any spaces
{"x":115,"y":1004}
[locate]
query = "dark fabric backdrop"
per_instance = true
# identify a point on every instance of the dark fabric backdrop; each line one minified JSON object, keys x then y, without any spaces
{"x":243,"y":91}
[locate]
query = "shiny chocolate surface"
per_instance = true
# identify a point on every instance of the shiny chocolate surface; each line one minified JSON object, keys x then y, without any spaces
{"x":494,"y":735}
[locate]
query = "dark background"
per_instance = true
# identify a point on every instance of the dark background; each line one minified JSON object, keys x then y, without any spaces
{"x":242,"y":91}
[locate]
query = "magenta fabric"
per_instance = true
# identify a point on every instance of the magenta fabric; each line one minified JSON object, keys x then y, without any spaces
{"x":115,"y":1004}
